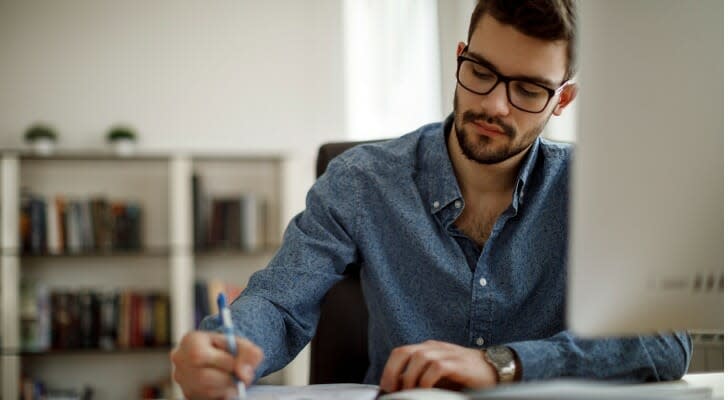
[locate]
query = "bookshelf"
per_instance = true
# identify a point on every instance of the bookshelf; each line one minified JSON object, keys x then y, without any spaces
{"x":168,"y":260}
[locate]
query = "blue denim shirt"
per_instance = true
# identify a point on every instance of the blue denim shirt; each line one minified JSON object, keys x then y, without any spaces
{"x":391,"y":208}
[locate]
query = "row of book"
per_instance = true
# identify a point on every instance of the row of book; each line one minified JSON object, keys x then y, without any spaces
{"x":88,"y":319}
{"x":235,"y":221}
{"x":206,"y":293}
{"x":63,"y":225}
{"x":34,"y":389}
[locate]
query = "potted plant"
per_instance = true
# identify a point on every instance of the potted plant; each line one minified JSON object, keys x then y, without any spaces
{"x":122,"y":139}
{"x":42,"y":138}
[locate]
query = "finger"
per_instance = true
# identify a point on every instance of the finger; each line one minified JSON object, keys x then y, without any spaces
{"x":207,"y":383}
{"x":199,"y":352}
{"x":416,"y":366}
{"x":252,"y":354}
{"x":248,"y":359}
{"x":248,"y":356}
{"x":435,"y":372}
{"x":394,"y":367}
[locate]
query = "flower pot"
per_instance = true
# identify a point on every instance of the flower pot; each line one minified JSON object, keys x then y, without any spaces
{"x":124,"y":147}
{"x":43,"y":146}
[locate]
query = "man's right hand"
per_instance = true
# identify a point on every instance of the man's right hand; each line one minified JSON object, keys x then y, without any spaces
{"x":204,"y":367}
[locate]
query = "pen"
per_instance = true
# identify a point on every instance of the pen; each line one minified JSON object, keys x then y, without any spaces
{"x":227,"y":328}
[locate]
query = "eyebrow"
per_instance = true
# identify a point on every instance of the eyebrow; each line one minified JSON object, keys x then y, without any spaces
{"x":536,"y":79}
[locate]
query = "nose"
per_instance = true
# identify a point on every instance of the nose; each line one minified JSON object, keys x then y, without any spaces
{"x":496,"y":102}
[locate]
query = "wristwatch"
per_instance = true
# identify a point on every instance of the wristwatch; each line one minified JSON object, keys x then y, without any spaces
{"x":503,"y":360}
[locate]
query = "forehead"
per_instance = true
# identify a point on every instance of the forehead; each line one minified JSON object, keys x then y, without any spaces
{"x":515,"y":53}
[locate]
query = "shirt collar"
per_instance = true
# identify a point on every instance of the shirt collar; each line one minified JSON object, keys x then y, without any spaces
{"x":437,"y":176}
{"x":527,"y":166}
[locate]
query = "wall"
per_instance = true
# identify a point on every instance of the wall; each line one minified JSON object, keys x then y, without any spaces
{"x":235,"y":76}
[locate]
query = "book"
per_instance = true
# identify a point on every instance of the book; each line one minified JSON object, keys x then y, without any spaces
{"x":199,"y":212}
{"x":252,"y":222}
{"x":206,"y":296}
{"x":37,"y":225}
{"x":53,"y":231}
{"x":108,"y":317}
{"x":232,"y":221}
{"x":90,"y":319}
{"x":73,"y":228}
{"x":61,"y":217}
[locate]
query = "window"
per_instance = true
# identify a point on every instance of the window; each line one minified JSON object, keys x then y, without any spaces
{"x":392,"y":66}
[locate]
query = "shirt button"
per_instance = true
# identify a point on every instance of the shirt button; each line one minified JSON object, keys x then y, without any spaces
{"x":436,"y":204}
{"x":483,"y":282}
{"x":479,"y":341}
{"x":458,"y":204}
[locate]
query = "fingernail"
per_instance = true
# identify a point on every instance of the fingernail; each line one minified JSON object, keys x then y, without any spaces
{"x":247,"y":372}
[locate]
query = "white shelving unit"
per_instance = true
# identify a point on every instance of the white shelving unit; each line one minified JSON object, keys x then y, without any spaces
{"x":162,"y":183}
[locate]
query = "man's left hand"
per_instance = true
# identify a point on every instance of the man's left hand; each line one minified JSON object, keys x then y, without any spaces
{"x":434,"y":363}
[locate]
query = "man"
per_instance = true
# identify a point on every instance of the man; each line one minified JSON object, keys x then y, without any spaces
{"x":460,"y":230}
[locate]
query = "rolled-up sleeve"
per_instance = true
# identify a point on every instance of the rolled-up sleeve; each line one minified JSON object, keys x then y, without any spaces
{"x":279,"y":309}
{"x":661,"y":357}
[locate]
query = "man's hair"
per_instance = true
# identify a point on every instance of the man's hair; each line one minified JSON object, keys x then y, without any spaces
{"x":543,"y":19}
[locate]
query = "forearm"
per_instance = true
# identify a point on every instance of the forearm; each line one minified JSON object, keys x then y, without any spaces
{"x":638,"y":359}
{"x":261,"y":322}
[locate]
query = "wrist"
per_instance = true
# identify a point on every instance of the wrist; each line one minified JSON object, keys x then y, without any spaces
{"x":504,"y":361}
{"x":519,"y":369}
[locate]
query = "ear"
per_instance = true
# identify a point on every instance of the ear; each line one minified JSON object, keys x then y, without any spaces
{"x":461,"y":47}
{"x":567,"y":95}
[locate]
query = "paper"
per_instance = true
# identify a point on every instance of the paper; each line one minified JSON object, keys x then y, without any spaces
{"x":314,"y":392}
{"x":578,"y":390}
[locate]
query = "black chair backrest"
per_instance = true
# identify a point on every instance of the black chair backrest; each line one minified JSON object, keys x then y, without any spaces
{"x":339,"y":349}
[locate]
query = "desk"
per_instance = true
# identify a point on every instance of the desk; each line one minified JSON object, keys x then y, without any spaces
{"x":536,"y":390}
{"x":713,"y":380}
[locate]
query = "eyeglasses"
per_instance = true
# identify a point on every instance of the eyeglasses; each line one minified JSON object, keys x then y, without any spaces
{"x":525,"y":95}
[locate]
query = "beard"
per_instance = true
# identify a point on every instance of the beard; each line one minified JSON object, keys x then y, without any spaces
{"x":484,"y":149}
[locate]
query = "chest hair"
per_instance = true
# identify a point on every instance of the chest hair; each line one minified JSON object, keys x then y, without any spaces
{"x":478,"y":224}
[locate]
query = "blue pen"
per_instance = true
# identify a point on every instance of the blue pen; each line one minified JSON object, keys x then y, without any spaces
{"x":227,"y":329}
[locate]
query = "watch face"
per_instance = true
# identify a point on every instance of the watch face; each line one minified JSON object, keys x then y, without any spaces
{"x":500,"y":354}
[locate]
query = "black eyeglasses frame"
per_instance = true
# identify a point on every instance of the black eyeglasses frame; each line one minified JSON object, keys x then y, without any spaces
{"x":507,"y":80}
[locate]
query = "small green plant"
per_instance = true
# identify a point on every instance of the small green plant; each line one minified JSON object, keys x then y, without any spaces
{"x":120,"y":133}
{"x":38,"y":132}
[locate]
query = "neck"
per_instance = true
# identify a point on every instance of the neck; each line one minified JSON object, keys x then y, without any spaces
{"x":483,"y":179}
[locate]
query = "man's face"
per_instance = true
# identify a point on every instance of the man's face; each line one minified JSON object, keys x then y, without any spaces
{"x":489,"y":129}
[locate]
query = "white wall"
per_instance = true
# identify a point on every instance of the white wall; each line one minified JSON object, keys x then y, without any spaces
{"x":219,"y":76}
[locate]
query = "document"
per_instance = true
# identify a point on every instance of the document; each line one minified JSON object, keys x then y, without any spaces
{"x":549,"y":390}
{"x":314,"y":392}
{"x":580,"y":389}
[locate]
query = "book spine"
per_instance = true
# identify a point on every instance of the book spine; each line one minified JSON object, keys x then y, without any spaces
{"x":87,"y":236}
{"x":73,"y":227}
{"x":108,"y":302}
{"x":37,"y":226}
{"x":85,"y":323}
{"x":61,"y":218}
{"x":54,"y":243}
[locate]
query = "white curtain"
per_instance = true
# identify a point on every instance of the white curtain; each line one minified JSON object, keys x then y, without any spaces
{"x":392,"y":66}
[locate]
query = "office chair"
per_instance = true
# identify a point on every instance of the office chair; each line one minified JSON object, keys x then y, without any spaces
{"x":339,"y":349}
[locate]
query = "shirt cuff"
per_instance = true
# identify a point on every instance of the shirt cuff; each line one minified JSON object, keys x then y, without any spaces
{"x":539,"y":359}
